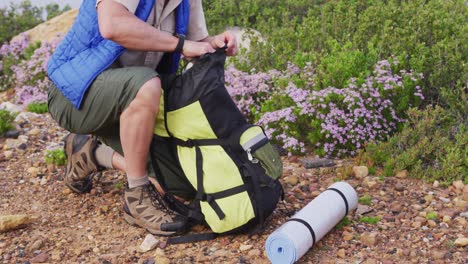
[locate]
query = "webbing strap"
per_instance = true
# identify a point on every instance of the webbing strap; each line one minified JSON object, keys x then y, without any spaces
{"x":342,"y":196}
{"x":190,"y":143}
{"x":254,"y":176}
{"x":201,"y":196}
{"x":311,"y":230}
{"x":191,"y":238}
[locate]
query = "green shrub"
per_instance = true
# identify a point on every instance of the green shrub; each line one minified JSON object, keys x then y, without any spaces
{"x":369,"y":219}
{"x":56,"y":157}
{"x":39,"y":108}
{"x":345,"y":38}
{"x":6,"y":121}
{"x":433,"y":145}
{"x":343,"y":222}
{"x":366,"y":200}
{"x":431,"y":216}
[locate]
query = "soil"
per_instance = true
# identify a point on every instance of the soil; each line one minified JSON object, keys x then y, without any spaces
{"x":89,"y":228}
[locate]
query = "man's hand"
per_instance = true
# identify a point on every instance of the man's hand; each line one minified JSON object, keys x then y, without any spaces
{"x":226,"y":38}
{"x":193,"y":49}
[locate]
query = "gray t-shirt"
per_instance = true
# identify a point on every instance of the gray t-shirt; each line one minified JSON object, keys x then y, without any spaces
{"x":163,"y":18}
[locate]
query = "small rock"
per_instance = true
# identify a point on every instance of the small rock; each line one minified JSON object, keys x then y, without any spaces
{"x":396,"y":208}
{"x":431,"y":223}
{"x":399,"y":187}
{"x":245,"y":247}
{"x":149,"y":261}
{"x":461,"y":241}
{"x":369,"y":182}
{"x":428,"y":198}
{"x":22,"y":146}
{"x":160,"y":252}
{"x":254,"y":253}
{"x":11,"y":107}
{"x":360,"y":171}
{"x":341,"y":253}
{"x":8,"y":154}
{"x":43,"y":181}
{"x":458,"y":185}
{"x":446,"y":219}
{"x":162,"y":244}
{"x":436,"y":184}
{"x":34,"y":132}
{"x":33,"y":171}
{"x":317,"y":163}
{"x":438,"y":253}
{"x":149,"y":243}
{"x":36,"y":245}
{"x":292,"y":180}
{"x":11,"y":134}
{"x":369,"y":239}
{"x":363,"y":209}
{"x":347,"y":236}
{"x":11,"y":222}
{"x":416,"y":224}
{"x":445,"y":200}
{"x":41,"y":258}
{"x":464,"y":214}
{"x":402,"y":174}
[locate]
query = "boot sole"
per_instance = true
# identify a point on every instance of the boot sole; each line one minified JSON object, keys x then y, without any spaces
{"x":136,"y":222}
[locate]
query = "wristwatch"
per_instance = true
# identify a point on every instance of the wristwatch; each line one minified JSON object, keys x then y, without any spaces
{"x":180,"y":44}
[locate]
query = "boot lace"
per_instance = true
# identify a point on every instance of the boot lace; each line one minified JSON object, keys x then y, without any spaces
{"x":155,"y":197}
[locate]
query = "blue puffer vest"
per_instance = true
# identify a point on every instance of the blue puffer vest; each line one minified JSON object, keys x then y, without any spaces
{"x":84,"y":53}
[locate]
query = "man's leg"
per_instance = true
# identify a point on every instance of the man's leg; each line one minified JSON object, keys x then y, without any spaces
{"x":127,"y":98}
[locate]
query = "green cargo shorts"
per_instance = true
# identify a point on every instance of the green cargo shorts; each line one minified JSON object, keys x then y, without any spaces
{"x":106,"y":99}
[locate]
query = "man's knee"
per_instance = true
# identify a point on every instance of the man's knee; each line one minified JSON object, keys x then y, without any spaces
{"x":148,"y":96}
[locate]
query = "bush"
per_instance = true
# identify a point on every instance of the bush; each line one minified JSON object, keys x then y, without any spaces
{"x":6,"y":121}
{"x":335,"y":121}
{"x":24,"y":69}
{"x":39,"y":108}
{"x":56,"y":157}
{"x":433,"y":145}
{"x":345,"y":39}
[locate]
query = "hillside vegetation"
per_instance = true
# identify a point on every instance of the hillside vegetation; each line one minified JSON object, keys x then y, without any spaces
{"x":385,"y":81}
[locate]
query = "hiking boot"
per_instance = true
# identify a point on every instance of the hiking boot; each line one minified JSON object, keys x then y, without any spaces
{"x":145,"y":207}
{"x":82,"y":166}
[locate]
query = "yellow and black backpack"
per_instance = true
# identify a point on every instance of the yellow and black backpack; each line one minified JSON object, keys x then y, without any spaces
{"x":204,"y":151}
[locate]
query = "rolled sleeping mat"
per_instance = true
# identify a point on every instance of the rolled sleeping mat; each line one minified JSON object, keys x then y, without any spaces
{"x":294,"y":238}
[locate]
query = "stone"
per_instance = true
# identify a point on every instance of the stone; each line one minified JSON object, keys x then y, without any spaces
{"x":431,"y":223}
{"x":416,"y":224}
{"x":11,"y":107}
{"x":11,"y":134}
{"x":360,"y":171}
{"x":363,"y":209}
{"x":396,"y":208}
{"x":461,"y":242}
{"x":464,"y":214}
{"x":36,"y":245}
{"x":254,"y":253}
{"x":436,"y":184}
{"x":8,"y":154}
{"x":33,"y":171}
{"x":445,"y":200}
{"x":402,"y":174}
{"x":341,"y":253}
{"x":149,"y":243}
{"x":41,"y":258}
{"x":438,"y":253}
{"x":11,"y":222}
{"x":34,"y":132}
{"x":369,"y":239}
{"x":11,"y":143}
{"x":446,"y":219}
{"x":245,"y":247}
{"x":369,"y":182}
{"x":458,"y":185}
{"x":160,"y":252}
{"x":347,"y":236}
{"x":399,"y":187}
{"x":292,"y":180}
{"x":317,"y":163}
{"x":428,"y":198}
